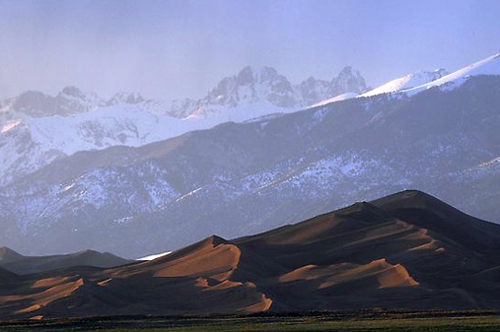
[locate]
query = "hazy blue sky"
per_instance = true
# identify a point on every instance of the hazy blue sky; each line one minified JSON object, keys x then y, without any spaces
{"x":181,"y":48}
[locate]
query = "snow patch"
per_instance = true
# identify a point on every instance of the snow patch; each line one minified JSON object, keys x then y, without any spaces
{"x":154,"y":256}
{"x":10,"y":125}
{"x":495,"y":161}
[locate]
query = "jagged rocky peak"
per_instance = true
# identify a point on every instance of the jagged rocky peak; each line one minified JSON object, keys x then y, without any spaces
{"x":72,"y":91}
{"x":32,"y":103}
{"x":265,"y":84}
{"x":251,"y":75}
{"x":121,"y":98}
{"x":70,"y":100}
{"x":313,"y":90}
{"x":348,"y":80}
{"x":253,"y":84}
{"x":222,"y":94}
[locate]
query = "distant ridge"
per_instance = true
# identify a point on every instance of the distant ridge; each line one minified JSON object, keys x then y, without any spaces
{"x":17,"y":263}
{"x":37,"y":129}
{"x":418,"y":82}
{"x":8,"y":255}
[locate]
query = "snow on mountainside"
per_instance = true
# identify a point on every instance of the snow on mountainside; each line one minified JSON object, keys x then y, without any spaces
{"x":240,"y":178}
{"x":407,"y":82}
{"x":414,"y":83}
{"x":250,"y":86}
{"x":488,"y":66}
{"x":265,"y":86}
{"x":37,"y":104}
{"x":101,"y":128}
{"x":28,"y":143}
{"x":36,"y":129}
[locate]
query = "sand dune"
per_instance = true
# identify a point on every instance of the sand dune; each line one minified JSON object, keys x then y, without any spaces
{"x":407,"y":250}
{"x":212,"y":257}
{"x":385,"y":274}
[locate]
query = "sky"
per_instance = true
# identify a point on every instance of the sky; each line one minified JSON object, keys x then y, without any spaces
{"x":169,"y":49}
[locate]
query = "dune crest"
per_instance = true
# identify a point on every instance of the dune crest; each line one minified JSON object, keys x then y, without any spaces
{"x":387,"y":275}
{"x":213,"y":257}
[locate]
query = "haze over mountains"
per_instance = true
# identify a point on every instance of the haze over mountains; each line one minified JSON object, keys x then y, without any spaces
{"x":404,"y":251}
{"x":17,"y":263}
{"x":37,"y":129}
{"x":242,"y":178}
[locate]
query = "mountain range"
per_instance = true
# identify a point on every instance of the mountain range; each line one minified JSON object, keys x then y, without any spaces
{"x":408,"y":250}
{"x":251,"y":176}
{"x":37,"y":129}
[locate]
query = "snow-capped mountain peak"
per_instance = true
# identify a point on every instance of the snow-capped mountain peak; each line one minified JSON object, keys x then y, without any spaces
{"x":348,"y":80}
{"x":251,"y":85}
{"x":70,"y":100}
{"x":265,"y":86}
{"x":414,"y":83}
{"x":36,"y":128}
{"x":251,"y":75}
{"x":313,"y":90}
{"x":407,"y":82}
{"x":488,"y":66}
{"x":122,"y":98}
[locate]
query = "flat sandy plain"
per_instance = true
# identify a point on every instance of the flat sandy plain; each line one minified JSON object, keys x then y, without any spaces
{"x":371,"y":320}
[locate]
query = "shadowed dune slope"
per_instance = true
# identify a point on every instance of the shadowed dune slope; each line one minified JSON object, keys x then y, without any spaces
{"x":408,"y":250}
{"x":428,"y":212}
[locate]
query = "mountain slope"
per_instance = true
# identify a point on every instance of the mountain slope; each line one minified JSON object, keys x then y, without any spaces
{"x":407,"y":82}
{"x":488,"y":66}
{"x":37,"y":129}
{"x":36,"y":104}
{"x":415,"y":83}
{"x":213,"y":180}
{"x":368,"y":255}
{"x":28,"y":144}
{"x":265,"y":88}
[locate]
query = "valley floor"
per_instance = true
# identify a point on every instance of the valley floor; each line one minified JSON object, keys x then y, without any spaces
{"x":323,"y":321}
